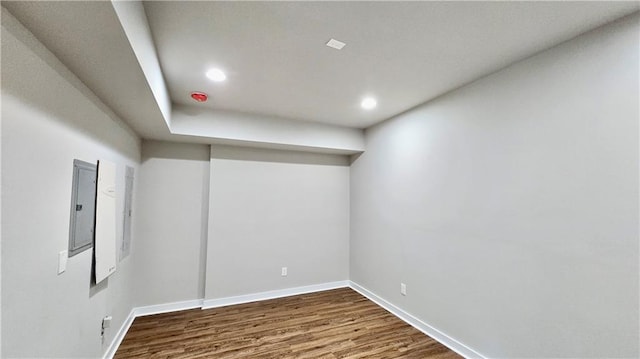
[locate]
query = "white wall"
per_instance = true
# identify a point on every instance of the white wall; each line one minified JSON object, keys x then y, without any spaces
{"x":241,"y":129}
{"x":49,"y":118}
{"x":171,"y":223}
{"x":509,"y":207}
{"x":134,"y":23}
{"x":270,"y":209}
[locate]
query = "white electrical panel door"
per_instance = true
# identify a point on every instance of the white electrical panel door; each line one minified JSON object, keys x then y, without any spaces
{"x":105,"y":235}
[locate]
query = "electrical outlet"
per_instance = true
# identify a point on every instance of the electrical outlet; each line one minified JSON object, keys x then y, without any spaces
{"x":403,"y":289}
{"x":106,"y":323}
{"x":284,"y":271}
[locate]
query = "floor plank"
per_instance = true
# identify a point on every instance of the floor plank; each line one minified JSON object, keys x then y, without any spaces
{"x":337,"y":323}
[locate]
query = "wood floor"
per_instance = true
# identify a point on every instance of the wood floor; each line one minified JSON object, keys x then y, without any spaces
{"x":338,"y":323}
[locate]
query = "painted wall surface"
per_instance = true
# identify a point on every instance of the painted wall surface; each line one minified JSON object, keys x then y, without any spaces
{"x":171,"y":230}
{"x":272,"y":209}
{"x":134,"y":22}
{"x":241,"y":129}
{"x":49,"y":118}
{"x":509,"y":207}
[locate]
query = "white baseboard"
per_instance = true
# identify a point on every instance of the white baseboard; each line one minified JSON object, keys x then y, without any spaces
{"x":117,"y":339}
{"x":147,"y":310}
{"x":427,"y":329}
{"x":212,"y":303}
{"x":272,"y":294}
{"x":167,"y":307}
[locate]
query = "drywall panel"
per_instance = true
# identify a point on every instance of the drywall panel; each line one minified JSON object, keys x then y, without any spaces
{"x":509,"y":207}
{"x":272,"y":209}
{"x":171,"y":218}
{"x":134,"y":22}
{"x":49,"y":118}
{"x":105,"y":237}
{"x":240,"y":129}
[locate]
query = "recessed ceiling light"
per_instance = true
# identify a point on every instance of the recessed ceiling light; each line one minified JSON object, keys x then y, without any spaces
{"x":216,"y":75}
{"x":369,"y":103}
{"x":338,"y":45}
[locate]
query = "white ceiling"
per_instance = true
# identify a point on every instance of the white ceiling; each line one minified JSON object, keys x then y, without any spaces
{"x":278,"y":67}
{"x":403,"y":53}
{"x":87,"y":37}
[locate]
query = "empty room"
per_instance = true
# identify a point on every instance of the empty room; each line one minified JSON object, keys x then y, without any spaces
{"x":239,"y":179}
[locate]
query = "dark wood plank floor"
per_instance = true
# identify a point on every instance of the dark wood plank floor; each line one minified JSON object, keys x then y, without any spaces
{"x":337,"y":323}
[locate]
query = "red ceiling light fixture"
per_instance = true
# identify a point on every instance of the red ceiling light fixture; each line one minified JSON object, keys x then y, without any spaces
{"x":199,"y":96}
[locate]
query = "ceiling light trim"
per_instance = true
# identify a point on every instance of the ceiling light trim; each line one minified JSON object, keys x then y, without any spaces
{"x":369,"y":103}
{"x":216,"y":75}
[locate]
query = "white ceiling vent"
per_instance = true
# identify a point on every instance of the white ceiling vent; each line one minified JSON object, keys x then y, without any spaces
{"x":338,"y":45}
